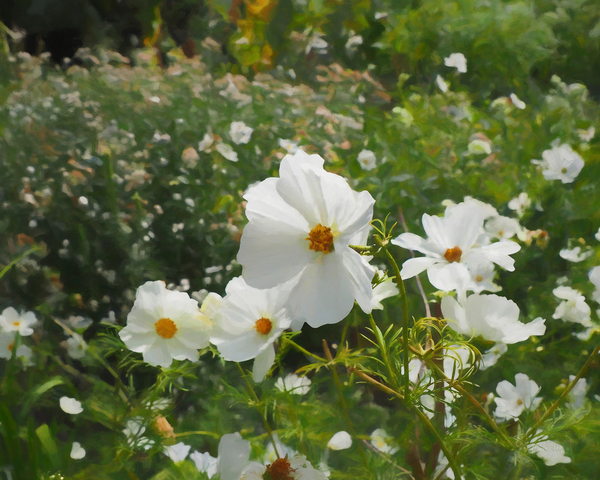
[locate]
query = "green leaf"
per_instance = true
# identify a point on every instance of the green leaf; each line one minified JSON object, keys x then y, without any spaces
{"x":34,"y":395}
{"x":48,"y":444}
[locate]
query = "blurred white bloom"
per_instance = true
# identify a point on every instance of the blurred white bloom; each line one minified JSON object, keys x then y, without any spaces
{"x":520,"y":204}
{"x":501,"y":227}
{"x":353,"y":42}
{"x":594,"y":276}
{"x":13,"y":321}
{"x":240,"y":133}
{"x":520,"y":104}
{"x":161,"y":138}
{"x":205,"y":463}
{"x":300,"y":228}
{"x":165,"y":325}
{"x":416,"y":370}
{"x":227,"y":151}
{"x":452,"y":247}
{"x":248,"y":323}
{"x":340,"y":441}
{"x":441,"y":83}
{"x":492,"y":317}
{"x":83,"y":201}
{"x":573,"y":307}
{"x":379,"y":439}
{"x":76,"y":346}
{"x":550,"y":452}
{"x":78,"y":322}
{"x":482,"y":278}
{"x":479,"y":147}
{"x":282,"y":449}
{"x":77,"y":451}
{"x":491,"y":356}
{"x":577,"y":394}
{"x":560,"y":163}
{"x":587,"y":135}
{"x":233,"y":456}
{"x":513,"y":399}
{"x":154,"y":99}
{"x":316,"y":42}
{"x":206,"y":142}
{"x":70,"y":405}
{"x":134,"y":432}
{"x":292,"y":383}
{"x":458,"y":61}
{"x":288,"y":145}
{"x":232,"y":93}
{"x":177,"y":452}
{"x":367,"y":160}
{"x":383,"y":290}
{"x":575,"y":255}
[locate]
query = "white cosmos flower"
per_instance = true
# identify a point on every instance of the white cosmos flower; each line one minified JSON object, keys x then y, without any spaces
{"x":550,"y":452}
{"x":227,"y":151}
{"x":70,"y":405}
{"x":458,"y":61}
{"x":7,"y":343}
{"x":77,"y":451}
{"x":13,"y":321}
{"x":482,"y":278}
{"x":573,"y":307}
{"x":442,"y":85}
{"x":205,"y":463}
{"x":164,"y":325}
{"x":292,"y":383}
{"x":240,"y":133}
{"x":502,"y":227}
{"x":575,"y":255}
{"x":594,"y":276}
{"x":248,"y":323}
{"x":367,"y":160}
{"x":520,"y":104}
{"x":492,"y":317}
{"x":296,"y":468}
{"x":491,"y":356}
{"x":177,"y":452}
{"x":379,"y":439}
{"x":76,"y":346}
{"x":452,"y":246}
{"x":300,"y":227}
{"x":340,"y":441}
{"x":560,"y":163}
{"x":386,"y":289}
{"x":520,"y":203}
{"x":513,"y":399}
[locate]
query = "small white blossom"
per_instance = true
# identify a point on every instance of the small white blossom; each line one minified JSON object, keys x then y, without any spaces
{"x":292,"y":383}
{"x":587,"y":135}
{"x":367,"y":160}
{"x":573,"y":307}
{"x":177,"y":452}
{"x":206,"y":142}
{"x":479,"y":147}
{"x":575,"y":255}
{"x":520,"y":204}
{"x":70,"y":405}
{"x":227,"y":151}
{"x":501,"y":227}
{"x":205,"y":463}
{"x":458,"y":61}
{"x":380,"y":439}
{"x":441,"y":83}
{"x":13,"y":321}
{"x":513,"y":399}
{"x":520,"y":104}
{"x":550,"y":452}
{"x":491,"y":356}
{"x":240,"y":133}
{"x":76,"y":346}
{"x":340,"y":441}
{"x":560,"y":163}
{"x":77,"y":451}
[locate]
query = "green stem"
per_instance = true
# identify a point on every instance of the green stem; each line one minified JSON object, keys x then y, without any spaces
{"x":402,"y":289}
{"x":570,"y":387}
{"x":257,"y":403}
{"x":304,"y":351}
{"x":384,"y":353}
{"x":17,"y":260}
{"x":199,"y":432}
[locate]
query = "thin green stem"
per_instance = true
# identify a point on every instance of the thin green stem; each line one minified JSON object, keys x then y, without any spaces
{"x":257,"y":403}
{"x":454,"y":384}
{"x":384,"y":353}
{"x":17,"y":260}
{"x":199,"y":432}
{"x":570,"y":387}
{"x":402,"y":289}
{"x":304,"y":351}
{"x":338,"y":386}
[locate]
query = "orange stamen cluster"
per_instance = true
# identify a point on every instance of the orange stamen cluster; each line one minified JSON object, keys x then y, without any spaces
{"x":453,"y":254}
{"x":320,"y":239}
{"x":280,"y":469}
{"x":166,"y":328}
{"x":263,"y":325}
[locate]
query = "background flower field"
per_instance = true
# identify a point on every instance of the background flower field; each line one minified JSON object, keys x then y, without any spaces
{"x":118,"y":170}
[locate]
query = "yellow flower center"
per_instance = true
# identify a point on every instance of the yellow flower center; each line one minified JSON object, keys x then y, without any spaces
{"x":453,"y":254}
{"x":16,"y":324}
{"x":11,"y":346}
{"x":263,"y":325}
{"x":320,"y":239}
{"x":564,"y":170}
{"x":166,"y":328}
{"x":478,"y":278}
{"x":519,"y":402}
